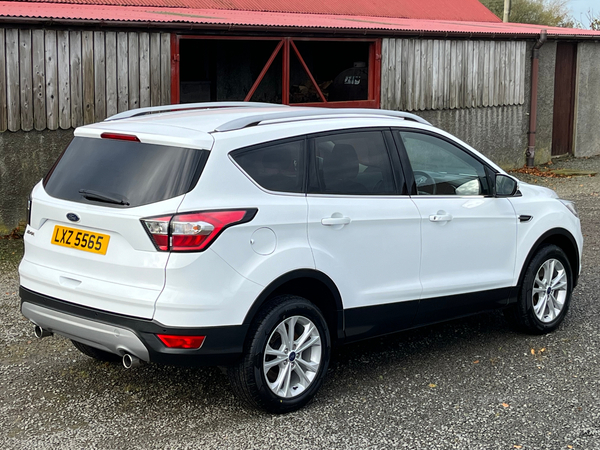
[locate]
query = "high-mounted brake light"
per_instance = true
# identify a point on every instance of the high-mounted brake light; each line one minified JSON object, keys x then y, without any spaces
{"x":186,"y":342}
{"x":194,"y":231}
{"x":119,"y":136}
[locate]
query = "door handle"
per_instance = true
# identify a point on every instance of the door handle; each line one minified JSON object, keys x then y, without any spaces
{"x":331,"y":221}
{"x":441,"y":216}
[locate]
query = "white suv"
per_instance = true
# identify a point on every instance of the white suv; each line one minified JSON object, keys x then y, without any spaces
{"x":256,"y":236}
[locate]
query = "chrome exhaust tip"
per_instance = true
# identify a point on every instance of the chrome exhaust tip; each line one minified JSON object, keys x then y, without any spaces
{"x":40,"y":333}
{"x":130,"y":361}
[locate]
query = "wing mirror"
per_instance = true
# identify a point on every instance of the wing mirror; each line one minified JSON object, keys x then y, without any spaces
{"x":506,"y":186}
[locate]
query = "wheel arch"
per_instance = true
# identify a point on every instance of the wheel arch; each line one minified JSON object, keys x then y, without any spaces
{"x":313,"y":285}
{"x":561,"y":238}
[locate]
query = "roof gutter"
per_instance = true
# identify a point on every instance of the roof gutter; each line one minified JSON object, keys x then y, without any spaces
{"x":535,"y":57}
{"x":231,"y":28}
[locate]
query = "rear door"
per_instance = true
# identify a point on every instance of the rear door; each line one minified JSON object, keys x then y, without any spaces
{"x":85,"y":243}
{"x":468,"y":237}
{"x":364,"y":230}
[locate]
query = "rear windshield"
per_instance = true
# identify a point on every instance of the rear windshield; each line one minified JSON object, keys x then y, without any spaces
{"x":123,"y":174}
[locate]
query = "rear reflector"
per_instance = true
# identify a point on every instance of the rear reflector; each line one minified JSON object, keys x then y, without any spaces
{"x":187,"y":342}
{"x":195,"y":231}
{"x":119,"y":136}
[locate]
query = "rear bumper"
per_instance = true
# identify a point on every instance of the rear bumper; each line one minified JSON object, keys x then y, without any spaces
{"x":121,"y":334}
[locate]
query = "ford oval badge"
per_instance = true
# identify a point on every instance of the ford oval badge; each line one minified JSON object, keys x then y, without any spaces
{"x":73,"y":217}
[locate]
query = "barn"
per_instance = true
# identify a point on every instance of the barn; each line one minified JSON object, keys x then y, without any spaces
{"x":512,"y":91}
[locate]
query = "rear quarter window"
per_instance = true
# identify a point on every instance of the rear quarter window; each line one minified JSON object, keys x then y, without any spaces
{"x":276,"y":167}
{"x":138,"y":173}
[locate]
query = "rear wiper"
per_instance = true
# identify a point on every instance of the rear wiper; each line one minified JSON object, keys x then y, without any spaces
{"x":99,"y":196}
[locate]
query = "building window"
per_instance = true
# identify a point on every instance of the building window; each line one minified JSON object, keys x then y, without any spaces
{"x":299,"y":71}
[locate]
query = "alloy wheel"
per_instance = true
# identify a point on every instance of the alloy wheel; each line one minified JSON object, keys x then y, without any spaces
{"x":549,"y":290}
{"x":292,"y":356}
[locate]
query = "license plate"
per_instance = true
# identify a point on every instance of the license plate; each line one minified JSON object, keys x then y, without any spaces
{"x":80,"y":240}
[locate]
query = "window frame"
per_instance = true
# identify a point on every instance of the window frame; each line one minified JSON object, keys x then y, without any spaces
{"x":490,"y":172}
{"x":286,"y":46}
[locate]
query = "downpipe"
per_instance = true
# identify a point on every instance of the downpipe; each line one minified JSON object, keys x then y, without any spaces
{"x":40,"y":333}
{"x":130,"y":361}
{"x":535,"y":60}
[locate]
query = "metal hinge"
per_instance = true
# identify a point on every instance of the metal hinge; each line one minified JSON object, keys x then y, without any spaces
{"x":378,"y":56}
{"x":176,"y":57}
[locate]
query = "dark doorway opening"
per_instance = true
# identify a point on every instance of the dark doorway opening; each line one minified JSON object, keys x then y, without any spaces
{"x":224,"y":70}
{"x":564,"y":98}
{"x":300,"y":71}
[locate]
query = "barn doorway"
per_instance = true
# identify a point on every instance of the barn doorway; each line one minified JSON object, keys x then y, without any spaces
{"x":564,"y":98}
{"x":286,"y":70}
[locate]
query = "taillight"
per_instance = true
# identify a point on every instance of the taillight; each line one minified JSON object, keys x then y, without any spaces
{"x":158,"y":228}
{"x":193,"y":231}
{"x":187,"y":342}
{"x":29,"y":210}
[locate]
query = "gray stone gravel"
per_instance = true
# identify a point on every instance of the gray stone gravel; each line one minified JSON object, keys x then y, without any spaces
{"x":471,"y":383}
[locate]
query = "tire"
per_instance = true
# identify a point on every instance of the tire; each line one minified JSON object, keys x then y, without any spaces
{"x":273,"y":377}
{"x":542,"y":303}
{"x":96,"y":353}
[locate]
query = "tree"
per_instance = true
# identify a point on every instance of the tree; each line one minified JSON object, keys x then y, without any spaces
{"x":594,"y":20}
{"x":554,"y":13}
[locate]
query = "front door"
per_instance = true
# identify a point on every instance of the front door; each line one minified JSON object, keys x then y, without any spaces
{"x":468,"y":237}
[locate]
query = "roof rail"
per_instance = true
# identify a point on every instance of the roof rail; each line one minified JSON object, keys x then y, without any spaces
{"x":300,"y":112}
{"x":185,"y":107}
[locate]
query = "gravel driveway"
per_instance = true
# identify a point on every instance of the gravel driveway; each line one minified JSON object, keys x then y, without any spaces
{"x":470,"y":383}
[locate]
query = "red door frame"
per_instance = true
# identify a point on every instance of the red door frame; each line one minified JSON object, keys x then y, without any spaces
{"x":286,"y":45}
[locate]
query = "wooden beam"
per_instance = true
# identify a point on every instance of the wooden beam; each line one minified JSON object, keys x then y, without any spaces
{"x":26,"y":80}
{"x":134,"y":70}
{"x":112,"y":90}
{"x":144,"y":67}
{"x":3,"y":108}
{"x":100,"y":76}
{"x":64,"y":81}
{"x":76,"y":79}
{"x":87,"y":71}
{"x":155,"y":69}
{"x":165,"y":69}
{"x":51,"y":61}
{"x":39,"y":79}
{"x":13,"y":98}
{"x":122,"y":70}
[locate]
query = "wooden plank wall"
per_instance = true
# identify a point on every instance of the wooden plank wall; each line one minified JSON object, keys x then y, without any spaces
{"x":424,"y":74}
{"x":52,"y":79}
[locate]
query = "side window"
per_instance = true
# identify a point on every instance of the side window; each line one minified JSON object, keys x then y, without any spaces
{"x":351,"y":163}
{"x":276,"y":167}
{"x":441,"y":168}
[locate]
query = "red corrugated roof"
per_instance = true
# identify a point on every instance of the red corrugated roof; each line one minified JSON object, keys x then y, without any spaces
{"x":232,"y":19}
{"x":470,"y":10}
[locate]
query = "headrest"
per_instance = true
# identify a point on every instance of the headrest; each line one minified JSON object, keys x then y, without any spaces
{"x":341,"y":164}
